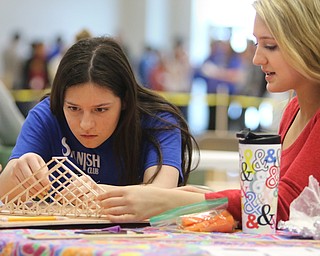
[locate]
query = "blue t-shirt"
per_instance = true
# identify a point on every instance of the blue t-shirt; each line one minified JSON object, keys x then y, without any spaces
{"x":44,"y":135}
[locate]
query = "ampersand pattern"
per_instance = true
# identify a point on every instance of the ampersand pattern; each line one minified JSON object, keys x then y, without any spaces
{"x":248,"y":156}
{"x":259,"y":162}
{"x":250,"y":205}
{"x":265,"y":217}
{"x":251,"y":222}
{"x":259,"y":175}
{"x":273,"y":178}
{"x":270,"y":158}
{"x":244,"y":174}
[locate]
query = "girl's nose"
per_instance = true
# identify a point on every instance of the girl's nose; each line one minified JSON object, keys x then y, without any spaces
{"x":87,"y":121}
{"x":259,"y":59}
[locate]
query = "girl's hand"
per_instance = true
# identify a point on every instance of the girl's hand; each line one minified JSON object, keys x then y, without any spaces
{"x":131,"y":203}
{"x":31,"y":172}
{"x":81,"y":190}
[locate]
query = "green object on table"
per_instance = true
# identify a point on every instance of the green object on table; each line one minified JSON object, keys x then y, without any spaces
{"x":169,"y":217}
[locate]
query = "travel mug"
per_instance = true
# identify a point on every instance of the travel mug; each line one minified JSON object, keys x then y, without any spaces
{"x":259,"y":166}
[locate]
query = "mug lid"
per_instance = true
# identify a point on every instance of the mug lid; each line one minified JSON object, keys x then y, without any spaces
{"x":247,"y":137}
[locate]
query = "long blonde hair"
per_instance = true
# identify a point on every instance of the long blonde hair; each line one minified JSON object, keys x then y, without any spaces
{"x":295,"y":24}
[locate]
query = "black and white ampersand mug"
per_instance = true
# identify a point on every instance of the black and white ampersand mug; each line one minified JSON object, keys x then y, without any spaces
{"x":259,"y":166}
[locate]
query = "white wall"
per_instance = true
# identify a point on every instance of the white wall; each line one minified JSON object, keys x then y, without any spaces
{"x":155,"y":22}
{"x":45,"y":20}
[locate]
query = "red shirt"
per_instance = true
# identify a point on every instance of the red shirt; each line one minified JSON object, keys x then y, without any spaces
{"x":297,"y":163}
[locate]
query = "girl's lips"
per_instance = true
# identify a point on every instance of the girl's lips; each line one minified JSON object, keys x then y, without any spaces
{"x":86,"y":136}
{"x":269,"y":75}
{"x":267,"y":72}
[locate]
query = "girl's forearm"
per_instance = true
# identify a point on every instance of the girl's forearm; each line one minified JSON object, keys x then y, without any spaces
{"x":172,"y":198}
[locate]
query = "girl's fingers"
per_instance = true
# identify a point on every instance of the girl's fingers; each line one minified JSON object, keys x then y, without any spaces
{"x":118,"y":210}
{"x":114,"y":192}
{"x":112,"y":202}
{"x":79,"y":191}
{"x":122,"y":218}
{"x":24,"y":177}
{"x":29,"y":174}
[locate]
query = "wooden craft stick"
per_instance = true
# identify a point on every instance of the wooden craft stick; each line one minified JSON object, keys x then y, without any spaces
{"x":31,"y":218}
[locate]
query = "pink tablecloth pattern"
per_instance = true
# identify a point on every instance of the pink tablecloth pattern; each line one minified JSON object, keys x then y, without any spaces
{"x":16,"y":242}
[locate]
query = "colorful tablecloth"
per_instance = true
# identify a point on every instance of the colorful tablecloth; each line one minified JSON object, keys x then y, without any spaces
{"x":167,"y":242}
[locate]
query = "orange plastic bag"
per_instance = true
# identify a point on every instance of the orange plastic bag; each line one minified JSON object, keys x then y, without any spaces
{"x":210,"y":221}
{"x":205,"y":216}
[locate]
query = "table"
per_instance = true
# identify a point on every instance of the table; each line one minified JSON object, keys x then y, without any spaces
{"x":220,"y":168}
{"x":167,"y":241}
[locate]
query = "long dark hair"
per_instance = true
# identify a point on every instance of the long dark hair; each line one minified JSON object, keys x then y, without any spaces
{"x":103,"y":62}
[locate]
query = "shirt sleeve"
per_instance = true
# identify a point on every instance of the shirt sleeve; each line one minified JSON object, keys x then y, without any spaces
{"x":234,"y":201}
{"x":170,"y":144}
{"x":35,"y":135}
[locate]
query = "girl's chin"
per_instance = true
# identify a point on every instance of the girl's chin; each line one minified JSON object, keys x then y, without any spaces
{"x":90,"y":145}
{"x":271,"y":88}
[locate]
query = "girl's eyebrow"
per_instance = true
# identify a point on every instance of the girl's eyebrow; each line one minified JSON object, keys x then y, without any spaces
{"x":103,"y":105}
{"x":264,"y":37}
{"x":96,"y":106}
{"x":267,"y":37}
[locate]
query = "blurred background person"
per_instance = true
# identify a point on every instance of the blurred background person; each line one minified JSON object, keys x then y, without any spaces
{"x":146,"y":64}
{"x":35,"y":73}
{"x":178,"y":76}
{"x":222,"y":71}
{"x":12,"y":62}
{"x":54,"y":56}
{"x":179,"y":69}
{"x":157,"y":76}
